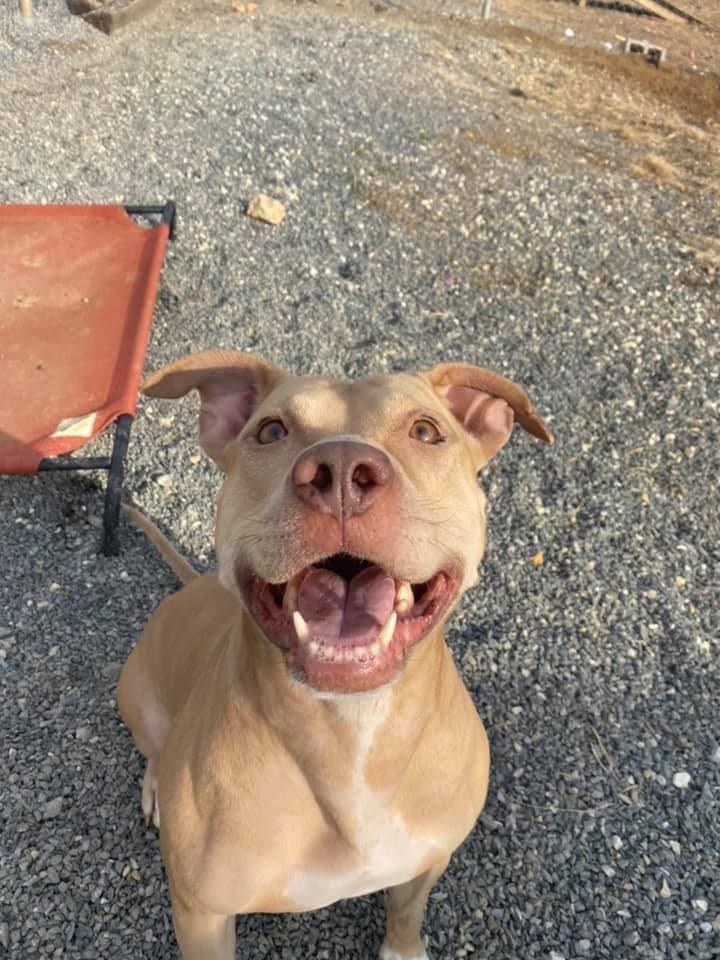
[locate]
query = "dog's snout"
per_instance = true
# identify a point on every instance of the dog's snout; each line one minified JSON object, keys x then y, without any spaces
{"x":341,"y":477}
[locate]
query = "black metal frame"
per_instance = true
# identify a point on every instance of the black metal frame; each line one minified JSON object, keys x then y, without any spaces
{"x":115,"y":463}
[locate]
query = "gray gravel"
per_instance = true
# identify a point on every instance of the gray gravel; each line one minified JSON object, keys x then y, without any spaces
{"x":408,"y":239}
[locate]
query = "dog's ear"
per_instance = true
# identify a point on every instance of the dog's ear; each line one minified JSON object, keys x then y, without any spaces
{"x":486,"y":404}
{"x":230,"y":384}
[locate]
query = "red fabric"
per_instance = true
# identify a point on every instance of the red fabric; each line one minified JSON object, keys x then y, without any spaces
{"x":77,"y":290}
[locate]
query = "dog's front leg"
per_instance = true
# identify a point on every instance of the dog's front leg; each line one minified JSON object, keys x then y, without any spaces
{"x":202,"y":935}
{"x":405,"y":906}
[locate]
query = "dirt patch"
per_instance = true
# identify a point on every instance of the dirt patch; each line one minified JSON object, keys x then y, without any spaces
{"x":696,"y":97}
{"x":670,"y":114}
{"x":690,"y":47}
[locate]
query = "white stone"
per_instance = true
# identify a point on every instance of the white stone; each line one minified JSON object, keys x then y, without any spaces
{"x":265,"y":208}
{"x":681,"y":780}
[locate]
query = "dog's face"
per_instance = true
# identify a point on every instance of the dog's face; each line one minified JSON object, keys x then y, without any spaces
{"x":350,"y":519}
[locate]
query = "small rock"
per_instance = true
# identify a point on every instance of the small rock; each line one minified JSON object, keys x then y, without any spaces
{"x":700,"y":906}
{"x":83,"y":734}
{"x":616,"y":842}
{"x":716,"y":755}
{"x":264,"y":208}
{"x":554,"y":955}
{"x":681,"y":780}
{"x":52,"y":808}
{"x":583,"y":945}
{"x":163,"y":480}
{"x":665,"y":890}
{"x":4,"y":935}
{"x":631,"y":939}
{"x":675,"y":847}
{"x":111,"y":670}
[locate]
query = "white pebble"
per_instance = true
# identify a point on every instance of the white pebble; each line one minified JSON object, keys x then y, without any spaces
{"x":681,"y":780}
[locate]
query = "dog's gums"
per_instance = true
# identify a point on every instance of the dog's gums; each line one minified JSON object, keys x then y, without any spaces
{"x":345,"y":624}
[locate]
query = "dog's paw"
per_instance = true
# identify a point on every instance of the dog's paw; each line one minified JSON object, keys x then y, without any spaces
{"x":387,"y":953}
{"x":150,"y":807}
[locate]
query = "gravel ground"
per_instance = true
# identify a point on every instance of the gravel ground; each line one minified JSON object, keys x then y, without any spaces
{"x":431,"y":214}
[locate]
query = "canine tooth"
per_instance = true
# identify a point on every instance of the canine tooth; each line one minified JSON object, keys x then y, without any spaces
{"x":404,"y":598}
{"x":290,"y":598}
{"x":301,"y":628}
{"x":386,"y":634}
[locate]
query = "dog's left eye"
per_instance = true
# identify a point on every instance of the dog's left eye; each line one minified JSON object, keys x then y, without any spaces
{"x":426,"y":432}
{"x":271,"y":431}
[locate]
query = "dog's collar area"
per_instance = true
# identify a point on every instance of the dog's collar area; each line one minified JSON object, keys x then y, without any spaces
{"x":344,"y":623}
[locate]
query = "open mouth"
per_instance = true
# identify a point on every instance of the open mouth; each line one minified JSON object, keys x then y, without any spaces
{"x":344,"y":623}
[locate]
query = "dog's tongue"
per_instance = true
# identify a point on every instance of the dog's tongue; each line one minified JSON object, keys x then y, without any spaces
{"x":345,"y":613}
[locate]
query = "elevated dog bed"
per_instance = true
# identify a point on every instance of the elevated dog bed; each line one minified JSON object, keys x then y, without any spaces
{"x":77,"y":290}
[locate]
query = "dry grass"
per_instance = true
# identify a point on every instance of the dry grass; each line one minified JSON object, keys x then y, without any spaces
{"x":659,"y":170}
{"x":706,"y":250}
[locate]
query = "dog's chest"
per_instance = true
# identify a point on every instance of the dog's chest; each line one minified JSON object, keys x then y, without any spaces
{"x":376,"y":847}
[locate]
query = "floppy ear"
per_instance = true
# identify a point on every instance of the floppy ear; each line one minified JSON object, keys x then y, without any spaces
{"x":486,"y":404}
{"x":231,"y":384}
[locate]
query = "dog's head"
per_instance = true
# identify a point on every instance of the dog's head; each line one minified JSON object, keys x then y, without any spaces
{"x":350,"y":519}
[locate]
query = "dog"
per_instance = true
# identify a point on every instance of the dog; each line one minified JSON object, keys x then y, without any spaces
{"x":307,"y":735}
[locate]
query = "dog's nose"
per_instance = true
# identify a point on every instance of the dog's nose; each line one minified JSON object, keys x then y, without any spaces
{"x":342,"y":477}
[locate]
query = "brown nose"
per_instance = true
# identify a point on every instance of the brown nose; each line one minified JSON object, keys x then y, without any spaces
{"x":342,"y":477}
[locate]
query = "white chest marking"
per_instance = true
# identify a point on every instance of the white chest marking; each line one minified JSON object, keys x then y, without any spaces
{"x":387,"y":853}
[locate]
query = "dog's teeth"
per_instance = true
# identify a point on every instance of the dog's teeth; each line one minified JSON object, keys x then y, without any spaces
{"x":301,"y":628}
{"x":374,"y":648}
{"x":313,"y":647}
{"x":386,"y":634}
{"x":290,"y":598}
{"x":404,"y":598}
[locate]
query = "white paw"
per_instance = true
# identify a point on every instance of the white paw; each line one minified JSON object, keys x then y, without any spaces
{"x":149,"y":795}
{"x":387,"y":953}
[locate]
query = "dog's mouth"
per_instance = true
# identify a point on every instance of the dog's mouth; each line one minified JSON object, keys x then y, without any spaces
{"x":344,"y":623}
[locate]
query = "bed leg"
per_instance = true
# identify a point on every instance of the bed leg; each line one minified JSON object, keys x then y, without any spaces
{"x":113,"y":493}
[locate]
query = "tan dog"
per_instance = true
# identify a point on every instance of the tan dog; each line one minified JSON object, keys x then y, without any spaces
{"x":308,"y":737}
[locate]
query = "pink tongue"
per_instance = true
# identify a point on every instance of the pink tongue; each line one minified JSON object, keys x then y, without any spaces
{"x":346,"y":614}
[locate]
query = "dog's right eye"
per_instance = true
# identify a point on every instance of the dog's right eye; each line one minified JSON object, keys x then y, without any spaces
{"x":271,"y":431}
